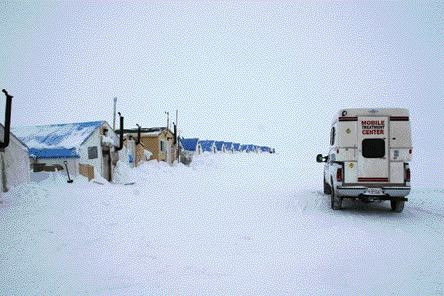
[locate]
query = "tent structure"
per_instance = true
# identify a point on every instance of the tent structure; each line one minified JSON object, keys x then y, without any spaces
{"x":14,"y":162}
{"x":159,"y":141}
{"x":228,"y":147}
{"x":91,"y":144}
{"x":220,"y":147}
{"x":191,"y":145}
{"x":208,"y":146}
{"x":236,"y":147}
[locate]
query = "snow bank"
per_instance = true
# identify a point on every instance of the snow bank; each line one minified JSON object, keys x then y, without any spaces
{"x":123,"y":174}
{"x":147,"y":154}
{"x":98,"y":178}
{"x":226,"y":225}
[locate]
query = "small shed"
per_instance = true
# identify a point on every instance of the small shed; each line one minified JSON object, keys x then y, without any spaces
{"x":228,"y":147}
{"x":220,"y":146}
{"x":265,"y":149}
{"x":160,"y":141}
{"x":191,"y":145}
{"x":250,"y":148}
{"x":14,"y":162}
{"x":87,"y":147}
{"x":208,"y":146}
{"x":236,"y":147}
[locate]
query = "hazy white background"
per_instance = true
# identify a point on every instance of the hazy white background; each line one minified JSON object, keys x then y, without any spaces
{"x":257,"y":72}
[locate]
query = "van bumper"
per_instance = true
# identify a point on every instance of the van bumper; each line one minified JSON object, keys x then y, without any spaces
{"x":386,"y":192}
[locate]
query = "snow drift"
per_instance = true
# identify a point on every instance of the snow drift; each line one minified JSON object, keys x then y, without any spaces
{"x":228,"y":224}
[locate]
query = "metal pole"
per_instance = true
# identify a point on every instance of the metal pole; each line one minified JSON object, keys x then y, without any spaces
{"x":168,"y":119}
{"x":114,"y":114}
{"x":7,"y":126}
{"x":67,"y":171}
{"x":177,"y":135}
{"x":121,"y":134}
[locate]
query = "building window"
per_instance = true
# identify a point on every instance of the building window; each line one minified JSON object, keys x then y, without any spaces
{"x":162,"y":146}
{"x":332,"y":136}
{"x":373,"y":148}
{"x":92,"y":152}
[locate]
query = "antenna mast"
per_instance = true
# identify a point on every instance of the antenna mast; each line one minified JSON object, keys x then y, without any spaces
{"x":168,"y":119}
{"x":114,"y":113}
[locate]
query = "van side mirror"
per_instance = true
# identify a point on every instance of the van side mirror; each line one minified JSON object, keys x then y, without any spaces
{"x":320,"y":158}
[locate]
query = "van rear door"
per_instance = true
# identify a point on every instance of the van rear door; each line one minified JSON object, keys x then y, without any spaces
{"x":373,"y":152}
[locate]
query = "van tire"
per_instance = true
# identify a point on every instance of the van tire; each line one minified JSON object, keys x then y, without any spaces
{"x":397,"y":205}
{"x":336,"y":202}
{"x":327,"y":188}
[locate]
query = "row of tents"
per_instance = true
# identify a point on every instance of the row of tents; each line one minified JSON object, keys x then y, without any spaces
{"x":94,"y":148}
{"x":195,"y":145}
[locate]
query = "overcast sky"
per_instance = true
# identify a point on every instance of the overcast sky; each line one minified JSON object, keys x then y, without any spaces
{"x":257,"y":72}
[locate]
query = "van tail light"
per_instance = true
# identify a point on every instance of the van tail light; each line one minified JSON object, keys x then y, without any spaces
{"x":407,"y":174}
{"x":339,"y":175}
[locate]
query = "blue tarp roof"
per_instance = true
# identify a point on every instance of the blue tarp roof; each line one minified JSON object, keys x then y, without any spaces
{"x":54,"y":153}
{"x":189,"y":144}
{"x":228,"y":145}
{"x":207,"y":145}
{"x":264,"y":149}
{"x":219,"y":145}
{"x":249,"y":148}
{"x":57,"y":140}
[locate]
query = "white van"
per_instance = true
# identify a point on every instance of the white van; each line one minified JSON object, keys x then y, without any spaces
{"x":369,"y":156}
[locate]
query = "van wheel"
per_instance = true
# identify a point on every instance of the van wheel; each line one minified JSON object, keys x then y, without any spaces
{"x":397,"y":205}
{"x":336,"y":202}
{"x":327,"y":189}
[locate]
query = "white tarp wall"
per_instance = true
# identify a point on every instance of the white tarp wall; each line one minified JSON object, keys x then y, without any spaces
{"x":14,"y":163}
{"x":95,"y":140}
{"x":131,"y":153}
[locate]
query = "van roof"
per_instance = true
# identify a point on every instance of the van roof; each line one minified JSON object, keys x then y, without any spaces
{"x":354,"y":112}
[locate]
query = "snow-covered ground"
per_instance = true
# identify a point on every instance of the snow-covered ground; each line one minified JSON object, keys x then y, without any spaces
{"x":229,"y":224}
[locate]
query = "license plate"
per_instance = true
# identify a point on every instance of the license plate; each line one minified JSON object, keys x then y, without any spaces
{"x":374,"y":191}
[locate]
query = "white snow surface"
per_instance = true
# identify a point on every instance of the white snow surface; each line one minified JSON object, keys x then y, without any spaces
{"x":147,"y":154}
{"x":239,"y":224}
{"x":107,"y":140}
{"x":123,"y":174}
{"x":70,"y":135}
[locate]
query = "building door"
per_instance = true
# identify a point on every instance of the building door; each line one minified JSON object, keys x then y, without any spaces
{"x":106,"y":165}
{"x":168,"y":152}
{"x":373,"y":156}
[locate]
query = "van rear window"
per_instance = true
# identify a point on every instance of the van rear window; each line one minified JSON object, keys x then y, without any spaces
{"x":373,"y":148}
